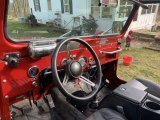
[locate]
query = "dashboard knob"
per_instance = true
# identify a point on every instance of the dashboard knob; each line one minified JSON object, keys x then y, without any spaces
{"x":12,"y":62}
{"x":35,"y":84}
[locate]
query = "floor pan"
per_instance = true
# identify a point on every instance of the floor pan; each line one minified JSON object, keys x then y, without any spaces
{"x":24,"y":111}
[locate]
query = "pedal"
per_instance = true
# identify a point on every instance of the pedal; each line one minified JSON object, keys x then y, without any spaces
{"x":26,"y":108}
{"x":42,"y":106}
{"x":50,"y":101}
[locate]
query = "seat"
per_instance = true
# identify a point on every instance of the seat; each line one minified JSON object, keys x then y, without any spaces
{"x":146,"y":85}
{"x":106,"y":114}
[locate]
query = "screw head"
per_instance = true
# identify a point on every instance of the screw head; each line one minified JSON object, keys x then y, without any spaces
{"x":7,"y":56}
{"x":18,"y":55}
{"x":6,"y":96}
{"x":4,"y":81}
{"x":35,"y":84}
{"x":6,"y":63}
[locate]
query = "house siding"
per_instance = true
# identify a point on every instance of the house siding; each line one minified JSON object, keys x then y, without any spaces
{"x":45,"y":15}
{"x":83,"y":8}
{"x":145,"y":21}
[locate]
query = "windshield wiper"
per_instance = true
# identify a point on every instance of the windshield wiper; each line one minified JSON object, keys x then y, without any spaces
{"x":139,"y":3}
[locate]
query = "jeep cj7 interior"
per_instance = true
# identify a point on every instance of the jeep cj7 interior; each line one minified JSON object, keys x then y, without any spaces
{"x":73,"y":76}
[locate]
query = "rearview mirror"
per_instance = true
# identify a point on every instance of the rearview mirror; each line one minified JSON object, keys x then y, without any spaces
{"x":112,"y":3}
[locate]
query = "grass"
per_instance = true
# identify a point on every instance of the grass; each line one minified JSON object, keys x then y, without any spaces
{"x":146,"y":64}
{"x":18,"y":30}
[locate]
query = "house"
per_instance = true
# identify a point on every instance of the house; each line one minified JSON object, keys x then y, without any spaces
{"x":66,"y":10}
{"x":145,"y":18}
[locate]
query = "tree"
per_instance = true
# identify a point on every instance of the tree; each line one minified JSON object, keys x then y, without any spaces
{"x":18,"y":8}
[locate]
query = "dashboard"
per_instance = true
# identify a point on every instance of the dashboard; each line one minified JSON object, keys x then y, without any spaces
{"x":30,"y":74}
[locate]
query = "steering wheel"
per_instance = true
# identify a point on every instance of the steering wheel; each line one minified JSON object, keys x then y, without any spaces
{"x":74,"y":70}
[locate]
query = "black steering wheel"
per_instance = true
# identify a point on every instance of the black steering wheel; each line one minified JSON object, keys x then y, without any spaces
{"x":74,"y":70}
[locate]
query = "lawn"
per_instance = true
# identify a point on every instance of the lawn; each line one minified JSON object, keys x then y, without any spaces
{"x":146,"y":64}
{"x":25,"y":31}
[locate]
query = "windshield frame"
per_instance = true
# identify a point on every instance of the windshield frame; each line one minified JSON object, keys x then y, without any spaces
{"x":122,"y":32}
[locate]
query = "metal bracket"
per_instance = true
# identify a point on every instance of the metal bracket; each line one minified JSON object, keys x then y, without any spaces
{"x":12,"y":59}
{"x":16,"y":54}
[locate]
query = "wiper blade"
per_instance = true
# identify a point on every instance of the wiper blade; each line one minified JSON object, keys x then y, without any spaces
{"x":140,"y":4}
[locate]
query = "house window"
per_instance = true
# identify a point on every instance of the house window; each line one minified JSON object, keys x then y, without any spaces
{"x":100,"y":11}
{"x":123,"y":2}
{"x":95,"y":9}
{"x":143,"y":11}
{"x":49,"y":4}
{"x":154,"y":8}
{"x":66,"y":6}
{"x":37,"y":5}
{"x":125,"y":8}
{"x":124,"y":11}
{"x":106,"y":12}
{"x":149,"y":9}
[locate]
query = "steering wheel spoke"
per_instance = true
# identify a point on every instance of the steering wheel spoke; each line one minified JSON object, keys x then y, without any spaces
{"x":65,"y":79}
{"x":68,"y":50}
{"x":87,"y":81}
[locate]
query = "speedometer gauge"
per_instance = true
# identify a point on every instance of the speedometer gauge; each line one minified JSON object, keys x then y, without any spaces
{"x":33,"y":71}
{"x":83,"y":61}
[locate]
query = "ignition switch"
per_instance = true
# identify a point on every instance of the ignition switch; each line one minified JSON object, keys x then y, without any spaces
{"x":12,"y":60}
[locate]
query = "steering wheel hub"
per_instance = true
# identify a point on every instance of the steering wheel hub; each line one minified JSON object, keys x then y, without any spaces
{"x":74,"y":69}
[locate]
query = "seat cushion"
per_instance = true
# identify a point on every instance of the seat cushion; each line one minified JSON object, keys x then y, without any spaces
{"x":146,"y":85}
{"x":136,"y":84}
{"x":106,"y":114}
{"x":152,"y":88}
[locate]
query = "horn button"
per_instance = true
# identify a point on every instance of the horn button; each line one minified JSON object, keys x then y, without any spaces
{"x":74,"y":69}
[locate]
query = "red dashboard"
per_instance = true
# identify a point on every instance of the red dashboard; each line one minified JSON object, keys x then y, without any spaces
{"x":17,"y":83}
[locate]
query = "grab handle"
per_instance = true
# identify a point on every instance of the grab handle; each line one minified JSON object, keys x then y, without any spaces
{"x":112,"y":52}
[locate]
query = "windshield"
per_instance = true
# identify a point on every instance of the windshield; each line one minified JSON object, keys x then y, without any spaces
{"x":45,"y":19}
